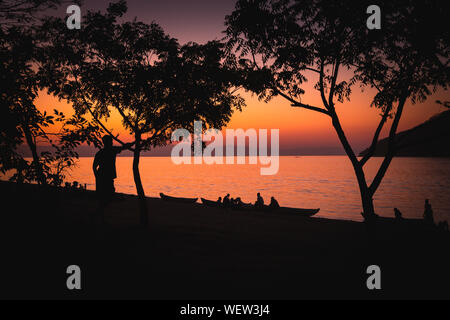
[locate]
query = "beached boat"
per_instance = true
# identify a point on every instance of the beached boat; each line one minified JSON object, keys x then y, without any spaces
{"x":296,"y":211}
{"x":281,"y":210}
{"x":210,"y":203}
{"x":176,"y":199}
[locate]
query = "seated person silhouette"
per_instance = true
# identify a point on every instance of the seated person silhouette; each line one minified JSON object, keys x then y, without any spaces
{"x":104,"y":168}
{"x":273,"y":203}
{"x":226,"y":201}
{"x":398,"y":214}
{"x":237,"y":203}
{"x":219,"y":201}
{"x":259,"y":204}
{"x":75,"y":185}
{"x":428,"y":213}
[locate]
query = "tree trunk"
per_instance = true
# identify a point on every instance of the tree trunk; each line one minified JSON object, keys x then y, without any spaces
{"x":36,"y":163}
{"x":367,"y":203}
{"x":137,"y":180}
{"x":366,"y":195}
{"x":365,"y":192}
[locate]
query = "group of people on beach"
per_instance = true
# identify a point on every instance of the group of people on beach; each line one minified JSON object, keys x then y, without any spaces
{"x":75,"y":186}
{"x":237,"y":203}
{"x":104,"y":168}
{"x":428,"y":216}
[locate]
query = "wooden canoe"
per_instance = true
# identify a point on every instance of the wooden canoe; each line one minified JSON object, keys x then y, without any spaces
{"x":282,"y":210}
{"x":210,"y":203}
{"x":296,"y":211}
{"x":176,"y":199}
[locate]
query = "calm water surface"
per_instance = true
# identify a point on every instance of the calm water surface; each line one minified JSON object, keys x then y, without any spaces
{"x":326,"y":182}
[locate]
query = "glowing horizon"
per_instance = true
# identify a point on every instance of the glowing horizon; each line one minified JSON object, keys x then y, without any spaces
{"x":300,"y":129}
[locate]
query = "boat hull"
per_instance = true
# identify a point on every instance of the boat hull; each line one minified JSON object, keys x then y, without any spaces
{"x":296,"y":211}
{"x":282,"y":210}
{"x":210,"y":203}
{"x":176,"y":199}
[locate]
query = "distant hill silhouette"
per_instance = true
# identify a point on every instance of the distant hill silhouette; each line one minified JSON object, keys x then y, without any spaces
{"x":430,"y":139}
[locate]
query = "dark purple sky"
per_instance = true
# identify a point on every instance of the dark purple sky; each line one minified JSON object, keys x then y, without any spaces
{"x":300,"y":130}
{"x":186,"y":20}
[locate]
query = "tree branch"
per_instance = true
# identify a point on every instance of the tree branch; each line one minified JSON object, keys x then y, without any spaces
{"x":254,"y":59}
{"x":86,"y":103}
{"x":376,"y":136}
{"x":391,"y":148}
{"x":311,"y":69}
{"x":307,"y":106}
{"x":343,"y":138}
{"x":124,"y":116}
{"x":299,"y":104}
{"x":103,"y":126}
{"x":333,"y":81}
{"x":157,"y":133}
{"x":321,"y":87}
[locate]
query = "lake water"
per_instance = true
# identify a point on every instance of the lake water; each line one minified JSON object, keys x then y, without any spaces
{"x":326,"y":182}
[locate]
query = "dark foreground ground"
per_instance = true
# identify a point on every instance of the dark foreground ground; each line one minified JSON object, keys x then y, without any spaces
{"x":192,"y":252}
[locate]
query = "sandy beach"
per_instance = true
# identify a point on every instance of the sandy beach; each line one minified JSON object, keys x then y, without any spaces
{"x":195,"y":252}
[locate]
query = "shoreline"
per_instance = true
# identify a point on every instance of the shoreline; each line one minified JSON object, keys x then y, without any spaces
{"x":199,"y":203}
{"x":196,"y":252}
{"x":131,"y":196}
{"x":308,"y":182}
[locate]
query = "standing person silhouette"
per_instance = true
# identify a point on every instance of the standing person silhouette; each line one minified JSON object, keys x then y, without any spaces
{"x":104,"y":168}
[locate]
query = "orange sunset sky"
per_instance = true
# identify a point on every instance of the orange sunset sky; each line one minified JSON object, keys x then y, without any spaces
{"x":301,"y":131}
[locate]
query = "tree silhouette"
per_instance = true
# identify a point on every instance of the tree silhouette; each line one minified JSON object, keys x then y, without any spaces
{"x":19,"y":114}
{"x":134,"y":68}
{"x":23,"y":13}
{"x":281,"y":44}
{"x":21,"y":121}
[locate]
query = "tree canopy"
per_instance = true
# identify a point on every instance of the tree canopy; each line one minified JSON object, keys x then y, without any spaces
{"x":136,"y":69}
{"x":280,"y":44}
{"x":22,"y":122}
{"x":140,"y":72}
